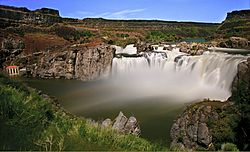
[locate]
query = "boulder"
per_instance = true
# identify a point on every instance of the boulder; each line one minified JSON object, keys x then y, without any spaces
{"x":204,"y":136}
{"x":234,"y":42}
{"x":107,"y":123}
{"x":190,"y":130}
{"x":120,"y":122}
{"x":123,"y":124}
{"x":132,"y":126}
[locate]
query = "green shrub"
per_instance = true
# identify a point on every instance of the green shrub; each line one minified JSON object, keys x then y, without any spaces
{"x":229,"y":147}
{"x":70,"y":33}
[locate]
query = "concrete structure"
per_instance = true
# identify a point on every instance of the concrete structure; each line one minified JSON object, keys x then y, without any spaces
{"x":12,"y":70}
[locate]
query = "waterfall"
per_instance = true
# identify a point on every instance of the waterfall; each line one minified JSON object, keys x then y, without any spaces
{"x":176,"y":75}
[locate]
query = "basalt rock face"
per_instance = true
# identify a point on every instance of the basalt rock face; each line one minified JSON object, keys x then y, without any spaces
{"x":238,"y":14}
{"x":93,"y":62}
{"x":85,"y":63}
{"x":10,"y":48}
{"x":241,"y":83}
{"x":207,"y":125}
{"x":191,"y":130}
{"x":13,"y":16}
{"x":236,"y":24}
{"x":58,"y":65}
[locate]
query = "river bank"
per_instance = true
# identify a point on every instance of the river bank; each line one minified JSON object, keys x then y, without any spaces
{"x":40,"y":124}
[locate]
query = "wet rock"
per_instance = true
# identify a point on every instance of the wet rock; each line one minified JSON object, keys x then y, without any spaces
{"x":143,"y":47}
{"x":192,"y":48}
{"x":234,"y":42}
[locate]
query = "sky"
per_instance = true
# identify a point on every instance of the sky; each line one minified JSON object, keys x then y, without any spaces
{"x":171,"y":10}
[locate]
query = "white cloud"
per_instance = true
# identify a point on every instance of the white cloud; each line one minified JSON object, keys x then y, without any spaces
{"x":79,"y":14}
{"x":123,"y":14}
{"x":126,"y":12}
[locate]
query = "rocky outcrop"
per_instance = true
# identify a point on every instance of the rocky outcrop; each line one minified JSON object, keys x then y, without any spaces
{"x":93,"y":62}
{"x":123,"y":124}
{"x":235,"y":24}
{"x":13,"y":15}
{"x":238,"y":14}
{"x":143,"y":47}
{"x":191,"y":129}
{"x":58,"y":65}
{"x":207,"y":125}
{"x":234,"y":42}
{"x":241,"y":83}
{"x":10,"y":48}
{"x":192,"y":48}
{"x":75,"y":62}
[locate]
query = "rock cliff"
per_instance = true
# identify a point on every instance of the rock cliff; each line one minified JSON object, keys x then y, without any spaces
{"x":207,"y":125}
{"x":241,"y":83}
{"x":9,"y":49}
{"x":15,"y":16}
{"x":204,"y":126}
{"x":236,"y":24}
{"x":84,"y":63}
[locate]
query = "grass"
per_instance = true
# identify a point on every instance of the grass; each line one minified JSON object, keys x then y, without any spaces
{"x":31,"y":122}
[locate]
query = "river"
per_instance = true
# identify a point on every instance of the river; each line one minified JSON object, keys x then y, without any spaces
{"x":93,"y":100}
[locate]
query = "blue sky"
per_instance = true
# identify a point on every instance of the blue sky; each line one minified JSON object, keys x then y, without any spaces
{"x":171,"y":10}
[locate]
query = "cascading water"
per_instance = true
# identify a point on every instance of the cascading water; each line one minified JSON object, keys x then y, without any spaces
{"x":176,"y":76}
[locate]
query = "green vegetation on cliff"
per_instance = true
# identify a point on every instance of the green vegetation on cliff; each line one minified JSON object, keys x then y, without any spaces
{"x":32,"y":122}
{"x":237,"y":23}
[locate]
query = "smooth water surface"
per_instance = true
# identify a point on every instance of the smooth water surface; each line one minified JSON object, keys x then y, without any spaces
{"x":97,"y":100}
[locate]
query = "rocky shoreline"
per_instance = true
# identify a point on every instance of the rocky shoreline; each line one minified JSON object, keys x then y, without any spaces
{"x":195,"y":129}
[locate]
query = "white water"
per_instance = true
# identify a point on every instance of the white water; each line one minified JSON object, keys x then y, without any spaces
{"x":129,"y":49}
{"x":175,"y":76}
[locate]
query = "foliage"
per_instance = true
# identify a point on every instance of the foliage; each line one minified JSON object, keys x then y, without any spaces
{"x":70,"y":33}
{"x":223,"y":130}
{"x":30,"y":122}
{"x":229,"y":147}
{"x":122,"y":35}
{"x":158,"y":36}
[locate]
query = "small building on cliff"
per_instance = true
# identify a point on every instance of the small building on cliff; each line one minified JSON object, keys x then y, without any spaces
{"x":12,"y":70}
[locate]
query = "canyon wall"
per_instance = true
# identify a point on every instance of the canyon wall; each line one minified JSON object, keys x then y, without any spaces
{"x":209,"y":124}
{"x":84,"y":63}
